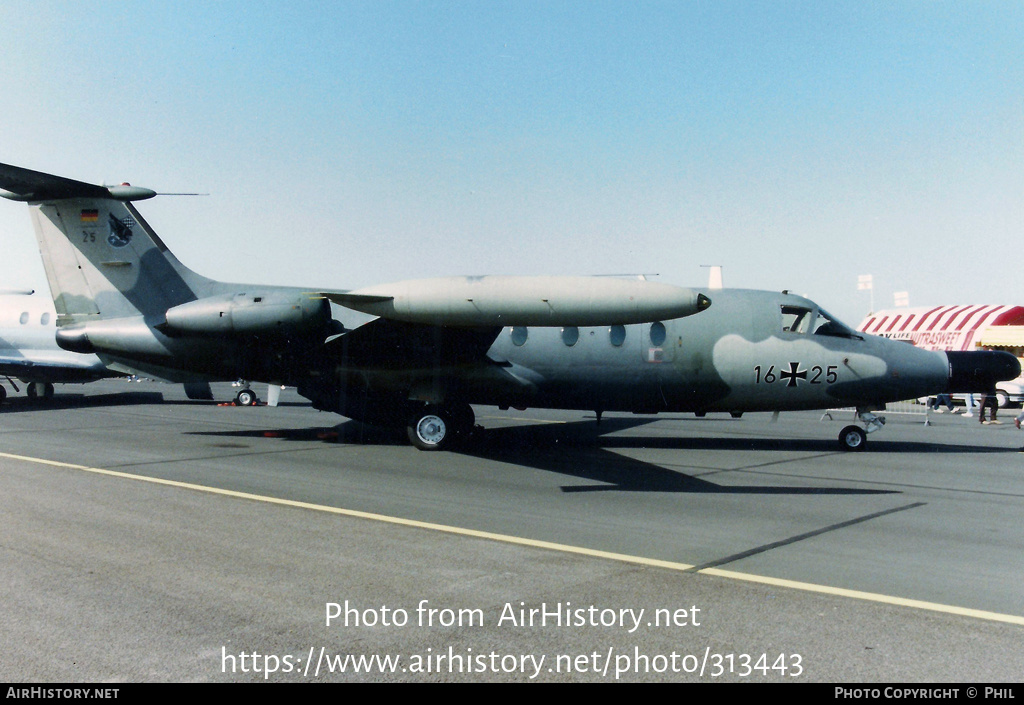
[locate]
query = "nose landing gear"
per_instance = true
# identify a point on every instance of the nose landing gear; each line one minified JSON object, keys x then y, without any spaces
{"x":855,"y":438}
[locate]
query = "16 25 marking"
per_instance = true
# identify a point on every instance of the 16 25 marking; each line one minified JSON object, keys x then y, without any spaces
{"x":794,"y":373}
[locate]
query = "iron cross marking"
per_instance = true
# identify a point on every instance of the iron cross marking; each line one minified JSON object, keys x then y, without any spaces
{"x":793,"y":373}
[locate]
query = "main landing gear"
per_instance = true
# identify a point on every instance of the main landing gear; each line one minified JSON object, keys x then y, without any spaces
{"x":854,"y":438}
{"x":440,"y":427}
{"x":246,"y":397}
{"x":33,"y":390}
{"x":39,"y":390}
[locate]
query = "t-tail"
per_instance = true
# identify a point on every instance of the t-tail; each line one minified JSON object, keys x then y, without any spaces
{"x":101,"y":257}
{"x":117,"y":288}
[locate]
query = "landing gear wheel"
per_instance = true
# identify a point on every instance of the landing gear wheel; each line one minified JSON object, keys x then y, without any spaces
{"x":246,"y":397}
{"x":853,"y":438}
{"x":3,"y":395}
{"x":431,"y":428}
{"x":39,"y":390}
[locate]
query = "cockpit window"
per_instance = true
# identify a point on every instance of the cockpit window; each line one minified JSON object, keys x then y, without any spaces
{"x":829,"y":325}
{"x":802,"y":320}
{"x":796,"y":319}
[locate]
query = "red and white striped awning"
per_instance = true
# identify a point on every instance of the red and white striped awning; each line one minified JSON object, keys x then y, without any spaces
{"x":941,"y":327}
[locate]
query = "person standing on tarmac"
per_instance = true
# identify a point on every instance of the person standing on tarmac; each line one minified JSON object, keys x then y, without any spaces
{"x":941,"y":400}
{"x":988,"y":399}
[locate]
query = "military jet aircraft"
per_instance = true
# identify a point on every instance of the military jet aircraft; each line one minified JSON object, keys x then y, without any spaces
{"x":29,"y":353}
{"x":420,"y":353}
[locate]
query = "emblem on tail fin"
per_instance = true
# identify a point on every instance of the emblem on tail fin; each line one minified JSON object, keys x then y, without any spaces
{"x":120,"y":231}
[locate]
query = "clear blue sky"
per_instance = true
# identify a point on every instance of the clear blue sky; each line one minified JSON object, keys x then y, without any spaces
{"x":797,"y":144}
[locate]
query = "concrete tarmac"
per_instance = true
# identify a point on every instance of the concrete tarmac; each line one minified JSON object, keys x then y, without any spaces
{"x":149,"y":538}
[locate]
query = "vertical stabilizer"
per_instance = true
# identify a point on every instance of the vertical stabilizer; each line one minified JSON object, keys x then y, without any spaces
{"x":104,"y":261}
{"x":101,"y":257}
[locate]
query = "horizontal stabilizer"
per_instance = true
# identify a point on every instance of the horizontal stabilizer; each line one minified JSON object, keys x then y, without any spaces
{"x":17,"y":184}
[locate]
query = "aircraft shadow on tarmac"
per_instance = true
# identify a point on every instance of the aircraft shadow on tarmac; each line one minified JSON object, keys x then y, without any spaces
{"x":79,"y":401}
{"x":228,"y":402}
{"x":584,"y":450}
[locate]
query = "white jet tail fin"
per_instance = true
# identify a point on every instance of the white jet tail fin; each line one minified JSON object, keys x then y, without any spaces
{"x":101,"y":258}
{"x":104,"y":261}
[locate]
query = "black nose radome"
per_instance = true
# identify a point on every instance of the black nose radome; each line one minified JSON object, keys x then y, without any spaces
{"x":980,"y":370}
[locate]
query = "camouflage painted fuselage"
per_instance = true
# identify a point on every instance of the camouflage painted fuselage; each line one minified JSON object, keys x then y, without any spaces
{"x":737,"y":356}
{"x":121,"y":294}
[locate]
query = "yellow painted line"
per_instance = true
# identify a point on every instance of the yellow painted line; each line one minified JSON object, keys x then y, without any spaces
{"x":563,"y":548}
{"x":868,"y":596}
{"x":361,"y":515}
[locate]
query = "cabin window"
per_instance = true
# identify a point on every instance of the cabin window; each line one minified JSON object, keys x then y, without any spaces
{"x":44,"y":320}
{"x":24,"y":318}
{"x":570,"y":335}
{"x":617,"y":335}
{"x":519,"y":335}
{"x":657,"y":334}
